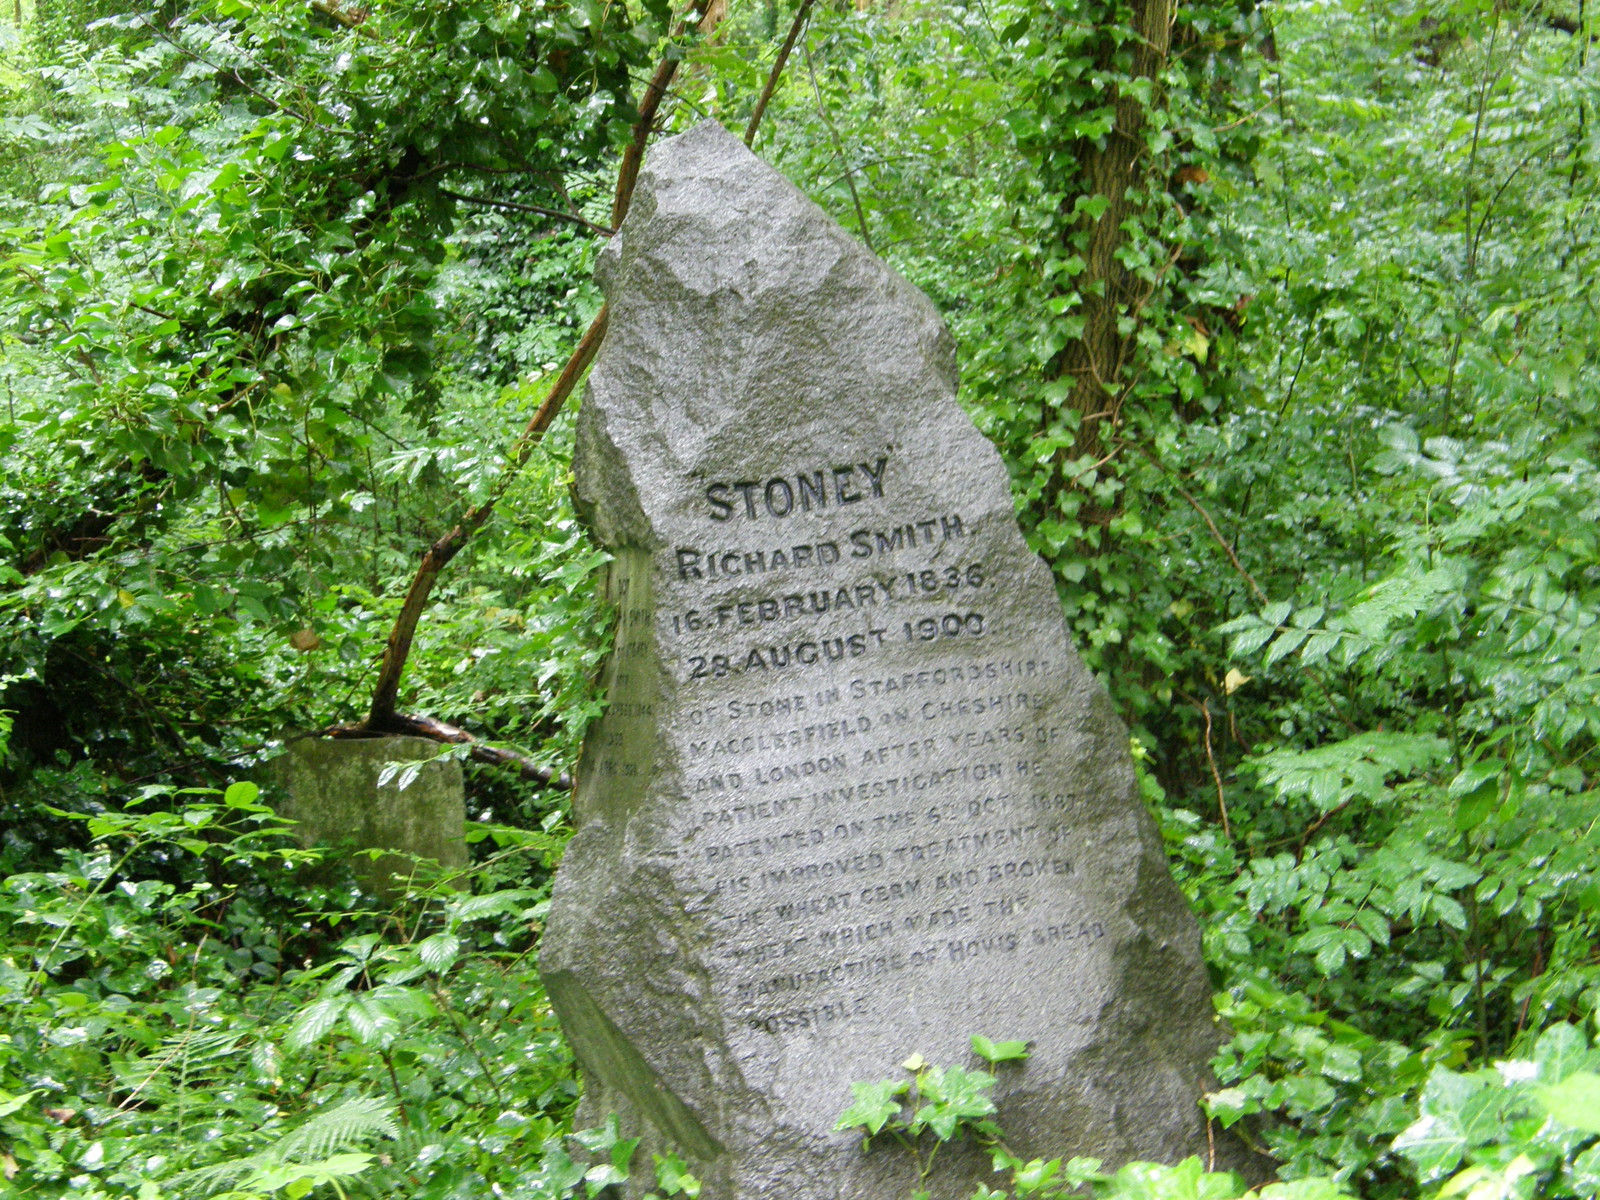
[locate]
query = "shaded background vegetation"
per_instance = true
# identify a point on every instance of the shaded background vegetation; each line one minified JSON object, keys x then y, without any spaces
{"x":1305,"y":428}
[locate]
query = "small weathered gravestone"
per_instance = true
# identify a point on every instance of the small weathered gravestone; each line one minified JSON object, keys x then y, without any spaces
{"x":855,"y":797}
{"x":331,"y":790}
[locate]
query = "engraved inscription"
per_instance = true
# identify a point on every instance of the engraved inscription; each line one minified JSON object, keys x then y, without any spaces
{"x":849,"y":823}
{"x":806,"y":491}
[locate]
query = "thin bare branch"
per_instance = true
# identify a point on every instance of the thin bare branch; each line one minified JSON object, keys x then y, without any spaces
{"x":438,"y":731}
{"x":515,"y":206}
{"x":1216,"y":534}
{"x":778,"y":64}
{"x":383,"y":717}
{"x":397,"y":650}
{"x":633,"y":156}
{"x":1211,"y":761}
{"x":850,"y":175}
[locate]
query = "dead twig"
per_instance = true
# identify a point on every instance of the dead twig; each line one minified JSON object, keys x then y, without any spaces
{"x":1211,"y":761}
{"x":1216,"y":533}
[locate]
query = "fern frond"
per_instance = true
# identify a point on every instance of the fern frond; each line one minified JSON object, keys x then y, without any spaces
{"x":338,"y":1128}
{"x":316,"y":1143}
{"x":199,"y":1054}
{"x":202,"y":1181}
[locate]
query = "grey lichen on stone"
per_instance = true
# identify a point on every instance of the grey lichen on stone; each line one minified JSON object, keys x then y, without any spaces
{"x":854,"y":796}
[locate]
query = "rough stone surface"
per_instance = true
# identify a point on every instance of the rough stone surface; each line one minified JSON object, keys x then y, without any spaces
{"x":330,"y":786}
{"x":855,"y":796}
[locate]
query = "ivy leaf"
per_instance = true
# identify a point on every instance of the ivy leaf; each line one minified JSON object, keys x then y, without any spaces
{"x":604,"y":1175}
{"x":875,"y":1104}
{"x":1304,"y":1189}
{"x":1229,"y":1105}
{"x":954,"y":1094}
{"x":1586,"y":1172}
{"x":673,"y":1177}
{"x":1036,"y":1175}
{"x":1434,"y":1145}
{"x":557,"y":1173}
{"x":1562,"y":1050}
{"x":998,"y":1052}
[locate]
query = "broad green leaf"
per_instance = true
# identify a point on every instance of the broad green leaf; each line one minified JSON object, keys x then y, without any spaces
{"x":953,"y":1095}
{"x":673,"y":1177}
{"x":1034,"y":1175}
{"x":1561,"y":1050}
{"x":1285,"y":644}
{"x":10,"y":1104}
{"x":314,"y":1021}
{"x":557,"y":1173}
{"x":1305,"y":1189}
{"x":242,"y":794}
{"x":1434,"y":1145}
{"x":439,"y":951}
{"x":1585,"y":1172}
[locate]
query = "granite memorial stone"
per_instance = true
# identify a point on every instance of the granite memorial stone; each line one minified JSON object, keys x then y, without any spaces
{"x":855,"y":797}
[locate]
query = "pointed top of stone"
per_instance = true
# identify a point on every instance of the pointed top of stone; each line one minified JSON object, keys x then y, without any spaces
{"x":706,"y":204}
{"x":735,"y":299}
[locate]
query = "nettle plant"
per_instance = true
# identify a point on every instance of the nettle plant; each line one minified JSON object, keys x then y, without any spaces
{"x":939,"y":1105}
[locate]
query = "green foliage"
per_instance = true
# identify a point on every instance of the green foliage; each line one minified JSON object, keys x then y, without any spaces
{"x":185,"y":1037}
{"x":940,"y":1102}
{"x":313,"y":1153}
{"x":276,"y":289}
{"x":943,"y":1104}
{"x":998,"y":1052}
{"x":1524,"y":1127}
{"x":237,"y":399}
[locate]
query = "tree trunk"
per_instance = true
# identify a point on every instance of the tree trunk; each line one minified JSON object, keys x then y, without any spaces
{"x":1109,"y":166}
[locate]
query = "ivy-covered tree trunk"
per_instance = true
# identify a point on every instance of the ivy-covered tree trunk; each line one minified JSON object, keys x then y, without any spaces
{"x":1110,"y":166}
{"x":1124,"y":306}
{"x":1125,"y":100}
